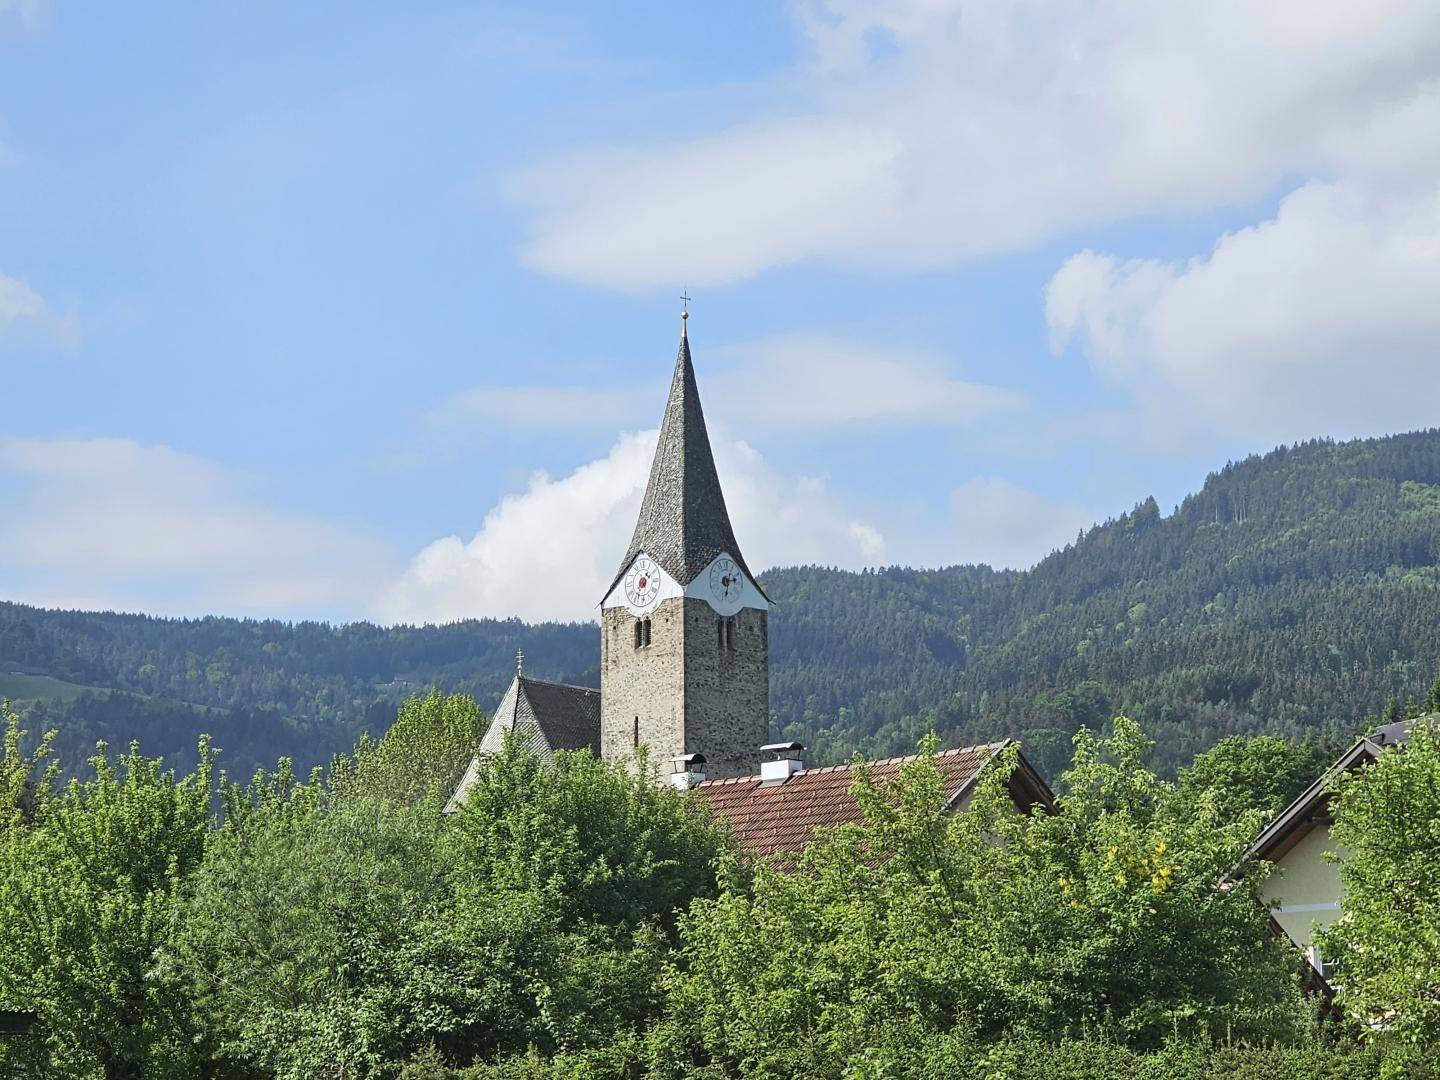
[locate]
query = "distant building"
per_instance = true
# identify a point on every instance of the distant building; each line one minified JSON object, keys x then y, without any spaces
{"x":685,"y":663}
{"x":544,"y":717}
{"x":1304,"y":891}
{"x":779,"y":811}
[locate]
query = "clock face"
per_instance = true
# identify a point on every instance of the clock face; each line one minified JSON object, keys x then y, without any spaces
{"x":642,"y":582}
{"x":726,"y":581}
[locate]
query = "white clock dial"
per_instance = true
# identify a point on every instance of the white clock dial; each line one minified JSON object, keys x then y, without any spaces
{"x":726,"y":581}
{"x":642,"y":582}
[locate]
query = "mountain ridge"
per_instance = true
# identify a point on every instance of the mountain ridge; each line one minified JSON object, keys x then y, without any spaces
{"x":1297,"y":591}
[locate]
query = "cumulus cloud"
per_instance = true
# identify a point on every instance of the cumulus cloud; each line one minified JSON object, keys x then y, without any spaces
{"x":23,"y":311}
{"x":1321,"y":320}
{"x":550,"y":551}
{"x":1003,"y":525}
{"x":918,"y":133}
{"x":117,"y":524}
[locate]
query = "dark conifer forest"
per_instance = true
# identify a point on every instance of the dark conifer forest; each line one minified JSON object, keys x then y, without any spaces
{"x":1297,"y":592}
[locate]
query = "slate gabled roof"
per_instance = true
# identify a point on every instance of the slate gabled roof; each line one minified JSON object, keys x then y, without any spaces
{"x":545,"y":717}
{"x":780,"y":819}
{"x":683,"y":522}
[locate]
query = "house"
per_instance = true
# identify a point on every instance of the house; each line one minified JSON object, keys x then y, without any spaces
{"x":1304,"y":891}
{"x":779,"y":810}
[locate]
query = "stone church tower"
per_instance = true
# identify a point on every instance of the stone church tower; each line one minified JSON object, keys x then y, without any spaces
{"x":684,"y":651}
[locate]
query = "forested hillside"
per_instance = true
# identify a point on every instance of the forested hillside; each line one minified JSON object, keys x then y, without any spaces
{"x":262,"y":689}
{"x":1298,"y":592}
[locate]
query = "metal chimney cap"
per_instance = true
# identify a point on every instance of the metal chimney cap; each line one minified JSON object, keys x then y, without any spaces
{"x":688,"y":761}
{"x":781,"y":749}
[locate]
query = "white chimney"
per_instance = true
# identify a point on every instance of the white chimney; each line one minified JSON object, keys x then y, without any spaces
{"x":784,"y":760}
{"x":689,"y":770}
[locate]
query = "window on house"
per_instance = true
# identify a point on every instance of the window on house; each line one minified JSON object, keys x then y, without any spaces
{"x":642,"y":633}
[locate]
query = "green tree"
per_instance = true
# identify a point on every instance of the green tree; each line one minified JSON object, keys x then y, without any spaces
{"x":1103,"y":917}
{"x":604,"y":862}
{"x":423,"y":754}
{"x":90,"y":876}
{"x":1249,"y":772}
{"x":1387,"y":940}
{"x":340,"y":936}
{"x":303,"y":928}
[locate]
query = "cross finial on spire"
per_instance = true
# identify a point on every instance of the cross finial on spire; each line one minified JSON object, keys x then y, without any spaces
{"x":519,"y":661}
{"x":684,"y":310}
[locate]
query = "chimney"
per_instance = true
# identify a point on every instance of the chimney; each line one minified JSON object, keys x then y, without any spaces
{"x":783,"y":760}
{"x":688,"y":770}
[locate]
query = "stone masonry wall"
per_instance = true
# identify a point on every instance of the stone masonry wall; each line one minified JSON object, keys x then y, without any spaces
{"x":644,"y":686}
{"x":683,"y":692}
{"x":727,"y":692}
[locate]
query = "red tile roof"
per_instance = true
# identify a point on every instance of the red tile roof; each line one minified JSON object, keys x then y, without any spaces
{"x":783,"y":817}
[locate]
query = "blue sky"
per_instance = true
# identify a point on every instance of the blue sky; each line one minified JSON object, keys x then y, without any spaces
{"x":367,"y":311}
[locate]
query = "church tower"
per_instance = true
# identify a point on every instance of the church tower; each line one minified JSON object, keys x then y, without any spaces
{"x":685,"y":644}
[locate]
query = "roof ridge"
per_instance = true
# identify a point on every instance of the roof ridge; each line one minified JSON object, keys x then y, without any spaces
{"x":953,"y":751}
{"x":566,"y":685}
{"x":727,"y":780}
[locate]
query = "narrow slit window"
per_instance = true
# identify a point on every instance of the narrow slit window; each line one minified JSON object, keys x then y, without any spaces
{"x":637,"y":733}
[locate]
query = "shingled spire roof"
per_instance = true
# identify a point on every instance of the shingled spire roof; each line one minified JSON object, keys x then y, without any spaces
{"x":683,"y":523}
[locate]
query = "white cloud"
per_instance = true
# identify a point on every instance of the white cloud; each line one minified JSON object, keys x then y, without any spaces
{"x":550,"y":551}
{"x":27,"y":11}
{"x":1322,"y":320}
{"x":813,"y":382}
{"x":24,"y":310}
{"x":1003,"y":525}
{"x":790,"y":383}
{"x":150,"y":528}
{"x":919,"y":133}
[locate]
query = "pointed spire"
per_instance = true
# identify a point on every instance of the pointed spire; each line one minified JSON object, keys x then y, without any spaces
{"x":683,"y":522}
